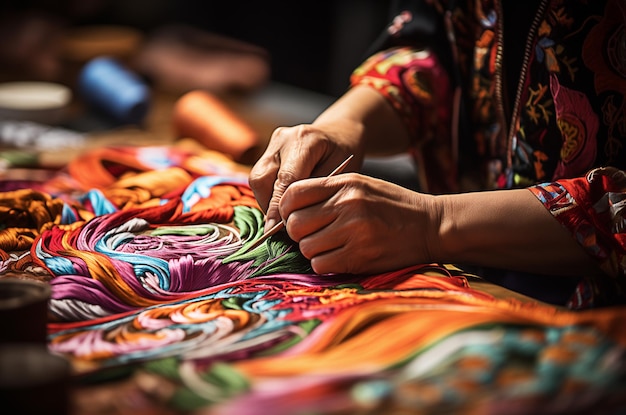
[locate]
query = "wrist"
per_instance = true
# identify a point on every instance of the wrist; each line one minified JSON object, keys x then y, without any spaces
{"x":468,"y":227}
{"x":504,"y":229}
{"x":439,"y":229}
{"x":378,"y":128}
{"x":346,"y":132}
{"x":446,"y":235}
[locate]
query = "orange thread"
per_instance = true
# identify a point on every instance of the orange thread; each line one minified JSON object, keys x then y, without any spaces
{"x":205,"y":118}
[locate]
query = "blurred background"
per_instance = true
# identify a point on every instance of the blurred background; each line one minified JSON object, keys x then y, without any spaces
{"x":274,"y":63}
{"x":311,"y":44}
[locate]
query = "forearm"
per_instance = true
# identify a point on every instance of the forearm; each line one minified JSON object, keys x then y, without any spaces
{"x":367,"y":119}
{"x":507,"y":229}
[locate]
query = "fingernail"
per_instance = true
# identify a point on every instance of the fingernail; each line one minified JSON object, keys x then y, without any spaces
{"x":269,"y":224}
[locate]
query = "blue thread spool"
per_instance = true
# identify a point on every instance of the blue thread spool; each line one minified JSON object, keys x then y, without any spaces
{"x":108,"y":86}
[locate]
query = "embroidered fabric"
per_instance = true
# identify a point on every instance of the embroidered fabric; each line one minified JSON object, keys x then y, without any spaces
{"x":151,"y":276}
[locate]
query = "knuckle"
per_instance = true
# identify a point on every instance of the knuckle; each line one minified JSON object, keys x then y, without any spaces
{"x":306,"y":251}
{"x":257,"y":178}
{"x":303,"y":130}
{"x":308,"y":134}
{"x":278,"y":132}
{"x":262,"y":171}
{"x":284,"y":178}
{"x":294,"y":229}
{"x":319,"y":265}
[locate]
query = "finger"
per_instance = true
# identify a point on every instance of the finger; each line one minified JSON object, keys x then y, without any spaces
{"x":324,"y":239}
{"x":314,"y":191}
{"x":335,"y":253}
{"x":296,"y":162}
{"x":273,"y":215}
{"x":333,"y":261}
{"x":331,"y":248}
{"x":309,"y":220}
{"x":264,"y":173}
{"x":262,"y":177}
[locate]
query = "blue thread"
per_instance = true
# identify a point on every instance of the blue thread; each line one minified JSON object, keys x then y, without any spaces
{"x":113,"y":89}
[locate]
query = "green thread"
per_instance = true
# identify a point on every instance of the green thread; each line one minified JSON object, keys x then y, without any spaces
{"x":277,"y":255}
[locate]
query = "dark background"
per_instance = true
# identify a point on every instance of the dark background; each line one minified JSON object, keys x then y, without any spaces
{"x":312,"y":44}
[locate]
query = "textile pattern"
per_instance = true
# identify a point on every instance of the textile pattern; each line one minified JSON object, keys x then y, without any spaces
{"x":150,"y":278}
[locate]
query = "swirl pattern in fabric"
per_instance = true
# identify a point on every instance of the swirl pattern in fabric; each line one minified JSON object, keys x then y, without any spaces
{"x":145,"y":251}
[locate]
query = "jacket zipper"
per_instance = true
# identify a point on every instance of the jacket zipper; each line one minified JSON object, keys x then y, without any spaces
{"x":522,"y":79}
{"x":498,"y":75}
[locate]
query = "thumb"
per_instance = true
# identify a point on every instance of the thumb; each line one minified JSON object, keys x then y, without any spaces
{"x":272,"y":216}
{"x":290,"y":171}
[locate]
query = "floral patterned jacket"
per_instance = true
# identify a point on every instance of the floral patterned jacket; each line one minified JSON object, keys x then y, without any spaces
{"x":493,"y":100}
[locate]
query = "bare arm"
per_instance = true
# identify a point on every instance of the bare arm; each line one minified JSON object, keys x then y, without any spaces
{"x":358,"y":224}
{"x":507,"y":229}
{"x":376,"y":125}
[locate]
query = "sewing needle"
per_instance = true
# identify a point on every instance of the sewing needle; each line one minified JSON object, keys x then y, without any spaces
{"x":274,"y":229}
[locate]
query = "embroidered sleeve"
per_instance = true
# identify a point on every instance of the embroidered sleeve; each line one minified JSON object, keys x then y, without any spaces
{"x":593,"y":209}
{"x":414,"y":83}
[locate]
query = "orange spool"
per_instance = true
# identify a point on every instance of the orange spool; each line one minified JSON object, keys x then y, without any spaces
{"x":205,"y":118}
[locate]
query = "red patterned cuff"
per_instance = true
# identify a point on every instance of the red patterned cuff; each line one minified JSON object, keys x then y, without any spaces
{"x":587,"y":207}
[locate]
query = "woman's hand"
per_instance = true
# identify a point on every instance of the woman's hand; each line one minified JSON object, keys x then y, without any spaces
{"x":296,"y":153}
{"x":360,"y":121}
{"x":358,"y":224}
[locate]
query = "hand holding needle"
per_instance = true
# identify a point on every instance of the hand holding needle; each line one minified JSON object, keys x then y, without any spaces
{"x":281,"y":224}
